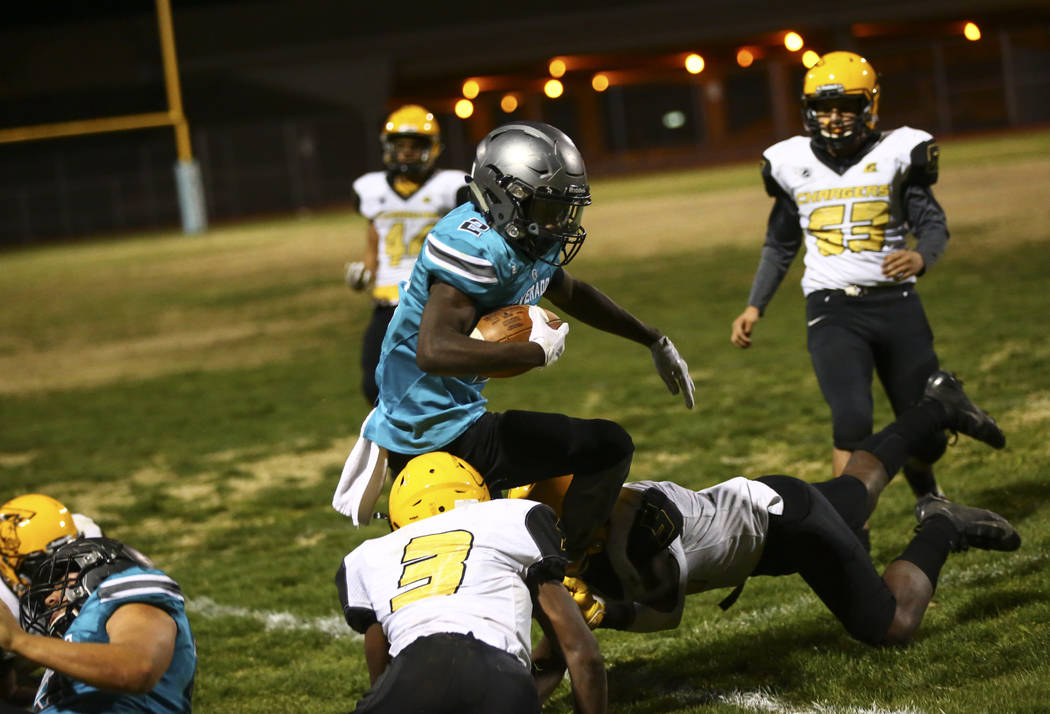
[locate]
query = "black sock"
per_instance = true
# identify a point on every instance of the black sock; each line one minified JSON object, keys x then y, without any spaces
{"x":930,"y":547}
{"x":913,"y":427}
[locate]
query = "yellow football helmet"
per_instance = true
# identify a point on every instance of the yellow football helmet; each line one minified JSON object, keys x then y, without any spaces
{"x":837,"y":76}
{"x":431,"y":484}
{"x":31,"y":528}
{"x":552,"y":492}
{"x":417,"y":123}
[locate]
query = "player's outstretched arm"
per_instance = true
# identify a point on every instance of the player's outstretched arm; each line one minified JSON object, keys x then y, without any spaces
{"x":588,"y":304}
{"x":563,"y":625}
{"x":141,"y":645}
{"x":445,"y":347}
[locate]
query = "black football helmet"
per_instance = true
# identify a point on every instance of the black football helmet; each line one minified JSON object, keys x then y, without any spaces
{"x":65,"y":580}
{"x":529,"y":181}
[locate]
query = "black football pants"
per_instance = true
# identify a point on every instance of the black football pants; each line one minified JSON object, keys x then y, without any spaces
{"x":850,"y":338}
{"x":452,"y":674}
{"x":816,"y":537}
{"x":515,"y":448}
{"x":371,"y":348}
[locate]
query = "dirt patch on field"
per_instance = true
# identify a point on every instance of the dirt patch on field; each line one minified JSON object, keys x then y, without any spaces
{"x":204,"y":347}
{"x":293,"y":468}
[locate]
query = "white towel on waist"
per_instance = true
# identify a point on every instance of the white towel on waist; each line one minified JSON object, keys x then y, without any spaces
{"x":362,"y":479}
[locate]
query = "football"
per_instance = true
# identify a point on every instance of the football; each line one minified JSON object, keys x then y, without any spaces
{"x":509,"y":324}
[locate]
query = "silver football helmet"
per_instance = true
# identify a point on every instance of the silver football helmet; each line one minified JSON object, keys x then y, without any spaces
{"x":529,"y":181}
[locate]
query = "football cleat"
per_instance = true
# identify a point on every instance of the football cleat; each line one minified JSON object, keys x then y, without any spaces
{"x":963,"y":415}
{"x":978,"y":527}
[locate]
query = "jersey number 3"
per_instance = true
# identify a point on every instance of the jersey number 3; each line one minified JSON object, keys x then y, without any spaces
{"x":866,"y":218}
{"x":434,"y":564}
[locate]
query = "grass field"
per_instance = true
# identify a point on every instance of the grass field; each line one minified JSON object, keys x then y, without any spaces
{"x":197,"y":396}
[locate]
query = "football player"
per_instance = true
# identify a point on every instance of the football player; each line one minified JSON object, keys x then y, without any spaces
{"x":665,"y":541}
{"x":401,"y":204}
{"x":32,"y":526}
{"x":851,"y":193}
{"x":110,"y":628}
{"x":445,"y":601}
{"x":508,"y":245}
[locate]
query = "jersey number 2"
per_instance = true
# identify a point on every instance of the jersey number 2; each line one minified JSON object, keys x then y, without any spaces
{"x":867,"y":219}
{"x":434,"y":564}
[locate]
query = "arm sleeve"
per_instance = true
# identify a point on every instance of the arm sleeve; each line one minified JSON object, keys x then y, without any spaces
{"x":783,"y":240}
{"x":927,"y":221}
{"x":925,"y":215}
{"x":542,"y":525}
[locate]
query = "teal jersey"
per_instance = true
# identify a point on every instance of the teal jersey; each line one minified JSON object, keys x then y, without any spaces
{"x":172,"y":694}
{"x":420,"y":412}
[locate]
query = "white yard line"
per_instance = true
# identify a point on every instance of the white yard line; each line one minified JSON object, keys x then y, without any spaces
{"x":762,"y":701}
{"x":333,"y":625}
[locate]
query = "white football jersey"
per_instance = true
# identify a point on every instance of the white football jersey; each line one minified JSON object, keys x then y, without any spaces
{"x":403,"y":223}
{"x":463,"y":571}
{"x":852,"y":221}
{"x":723,"y":529}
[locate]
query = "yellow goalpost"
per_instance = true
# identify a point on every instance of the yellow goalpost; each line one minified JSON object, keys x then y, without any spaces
{"x":187,"y":170}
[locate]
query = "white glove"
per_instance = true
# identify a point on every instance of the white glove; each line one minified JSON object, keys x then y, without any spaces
{"x":358,"y":277}
{"x":673,"y":369}
{"x":551,"y":340}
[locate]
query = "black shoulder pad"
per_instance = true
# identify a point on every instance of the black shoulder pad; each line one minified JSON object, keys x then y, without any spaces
{"x":462,"y":194}
{"x":359,"y":618}
{"x":656,"y":525}
{"x":542,"y":525}
{"x":772,"y":187}
{"x":924,"y":160}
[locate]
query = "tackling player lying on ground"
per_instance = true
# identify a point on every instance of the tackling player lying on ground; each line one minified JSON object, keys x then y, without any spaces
{"x":665,"y":541}
{"x":111,"y":629}
{"x":32,"y":527}
{"x":508,"y":246}
{"x":450,"y":595}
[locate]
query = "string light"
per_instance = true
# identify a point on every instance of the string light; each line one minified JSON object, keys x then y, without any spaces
{"x":793,"y":41}
{"x":471,"y":89}
{"x":464,"y":108}
{"x":694,"y":64}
